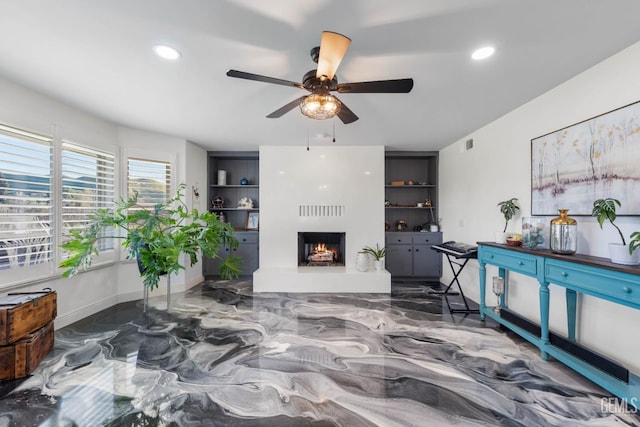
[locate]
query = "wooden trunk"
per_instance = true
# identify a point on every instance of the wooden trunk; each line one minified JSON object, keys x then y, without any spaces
{"x":23,"y":313}
{"x":21,"y":358}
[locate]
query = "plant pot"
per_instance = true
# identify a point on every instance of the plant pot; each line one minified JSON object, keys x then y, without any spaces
{"x":619,"y":254}
{"x":378,"y":265}
{"x":362,"y":262}
{"x":501,"y":237}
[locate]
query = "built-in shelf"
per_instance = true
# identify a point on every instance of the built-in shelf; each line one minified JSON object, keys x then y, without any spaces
{"x":411,"y":255}
{"x":238,"y":165}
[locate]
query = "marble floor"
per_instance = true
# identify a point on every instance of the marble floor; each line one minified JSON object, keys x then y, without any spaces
{"x":227,"y":357}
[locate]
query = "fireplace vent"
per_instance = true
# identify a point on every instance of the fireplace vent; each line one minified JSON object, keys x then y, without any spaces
{"x":321,"y":210}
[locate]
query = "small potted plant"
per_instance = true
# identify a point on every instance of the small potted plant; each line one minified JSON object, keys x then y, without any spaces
{"x":634,"y":242}
{"x":508,"y":208}
{"x":605,"y":210}
{"x":378,"y":254}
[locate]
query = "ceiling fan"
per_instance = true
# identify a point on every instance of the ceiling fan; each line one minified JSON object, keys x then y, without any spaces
{"x":321,"y":104}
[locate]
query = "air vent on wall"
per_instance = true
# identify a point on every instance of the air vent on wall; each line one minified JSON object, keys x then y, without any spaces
{"x":321,"y":210}
{"x":468,"y":145}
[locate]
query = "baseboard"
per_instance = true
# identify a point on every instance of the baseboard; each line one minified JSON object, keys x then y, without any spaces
{"x":67,"y":319}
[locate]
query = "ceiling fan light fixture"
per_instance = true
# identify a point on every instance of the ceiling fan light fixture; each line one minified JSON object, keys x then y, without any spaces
{"x":320,"y":106}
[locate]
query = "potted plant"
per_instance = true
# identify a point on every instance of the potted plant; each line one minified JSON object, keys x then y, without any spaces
{"x":605,"y":210}
{"x":508,"y":208}
{"x":634,"y":242}
{"x":155,"y":238}
{"x":378,"y":254}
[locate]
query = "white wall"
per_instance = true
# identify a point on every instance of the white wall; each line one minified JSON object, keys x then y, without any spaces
{"x":98,"y":289}
{"x":498,"y":168}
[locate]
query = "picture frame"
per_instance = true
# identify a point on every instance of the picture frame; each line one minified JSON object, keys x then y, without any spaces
{"x":252,"y":221}
{"x":593,"y":159}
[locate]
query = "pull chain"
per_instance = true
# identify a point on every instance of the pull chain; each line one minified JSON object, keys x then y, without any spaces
{"x":334,"y":131}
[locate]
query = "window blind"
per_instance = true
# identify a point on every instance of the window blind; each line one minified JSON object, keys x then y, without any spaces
{"x":26,"y":207}
{"x":150,"y":179}
{"x":88,"y":184}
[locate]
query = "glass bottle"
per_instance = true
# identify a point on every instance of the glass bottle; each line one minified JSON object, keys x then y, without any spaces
{"x":564,"y":234}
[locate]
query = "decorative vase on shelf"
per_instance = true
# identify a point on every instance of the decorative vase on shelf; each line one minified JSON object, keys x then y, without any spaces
{"x":564,"y":234}
{"x":222,"y":177}
{"x":362,"y":262}
{"x":244,"y":181}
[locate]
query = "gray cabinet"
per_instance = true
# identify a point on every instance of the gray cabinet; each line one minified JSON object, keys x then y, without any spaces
{"x":411,"y":198}
{"x":248,"y":250}
{"x":410,"y":255}
{"x":242,"y":170}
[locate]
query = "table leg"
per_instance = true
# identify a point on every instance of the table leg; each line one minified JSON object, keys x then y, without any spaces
{"x":483,"y":284}
{"x":544,"y":318}
{"x":571,"y":298}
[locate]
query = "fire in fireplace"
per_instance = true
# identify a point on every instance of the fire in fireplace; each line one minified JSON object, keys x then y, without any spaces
{"x":321,"y":249}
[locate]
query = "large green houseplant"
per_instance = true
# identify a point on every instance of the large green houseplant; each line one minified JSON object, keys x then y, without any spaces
{"x":155,"y":237}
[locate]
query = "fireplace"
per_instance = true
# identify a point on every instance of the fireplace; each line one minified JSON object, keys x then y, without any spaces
{"x":321,"y":249}
{"x":331,"y":195}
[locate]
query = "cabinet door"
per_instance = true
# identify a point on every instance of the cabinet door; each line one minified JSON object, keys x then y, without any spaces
{"x":399,"y":260}
{"x":212,"y":266}
{"x":249,"y":254}
{"x":426,"y":261}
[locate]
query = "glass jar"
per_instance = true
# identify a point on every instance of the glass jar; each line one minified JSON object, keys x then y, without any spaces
{"x":564,"y":234}
{"x":533,"y":233}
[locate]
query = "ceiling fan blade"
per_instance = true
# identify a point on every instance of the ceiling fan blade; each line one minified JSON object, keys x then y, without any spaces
{"x":381,"y":86}
{"x":265,"y":79}
{"x":286,"y":108}
{"x":333,"y":47}
{"x":346,"y":115}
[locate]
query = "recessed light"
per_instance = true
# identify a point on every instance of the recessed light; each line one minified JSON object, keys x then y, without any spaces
{"x":166,"y":52}
{"x":483,"y":53}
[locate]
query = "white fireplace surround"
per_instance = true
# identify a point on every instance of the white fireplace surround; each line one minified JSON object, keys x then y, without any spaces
{"x":325,"y":189}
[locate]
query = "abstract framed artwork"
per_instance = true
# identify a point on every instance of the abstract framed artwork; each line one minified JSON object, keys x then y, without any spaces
{"x":596,"y":158}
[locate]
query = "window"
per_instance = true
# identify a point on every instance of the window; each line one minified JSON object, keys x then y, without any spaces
{"x":87,"y":185}
{"x":151,"y":179}
{"x":26,"y":205}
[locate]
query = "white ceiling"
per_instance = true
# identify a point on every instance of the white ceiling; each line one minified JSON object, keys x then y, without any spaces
{"x":96,"y":55}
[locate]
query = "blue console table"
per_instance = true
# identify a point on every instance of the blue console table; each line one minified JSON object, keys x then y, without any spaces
{"x":577,"y":274}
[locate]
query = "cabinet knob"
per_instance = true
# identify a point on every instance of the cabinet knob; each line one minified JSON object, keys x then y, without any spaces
{"x":244,"y":239}
{"x":417,"y":250}
{"x":520,"y":263}
{"x":409,"y":250}
{"x":627,"y":289}
{"x":491,"y":256}
{"x":564,"y":274}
